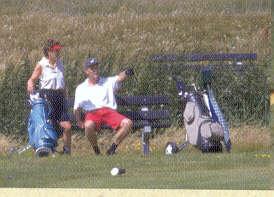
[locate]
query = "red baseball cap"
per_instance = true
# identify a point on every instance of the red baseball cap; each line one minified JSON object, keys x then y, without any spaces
{"x":55,"y":47}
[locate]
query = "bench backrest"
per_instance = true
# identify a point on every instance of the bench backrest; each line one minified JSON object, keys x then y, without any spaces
{"x":198,"y":57}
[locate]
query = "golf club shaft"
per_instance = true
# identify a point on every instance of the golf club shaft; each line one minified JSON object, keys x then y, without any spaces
{"x":182,"y":146}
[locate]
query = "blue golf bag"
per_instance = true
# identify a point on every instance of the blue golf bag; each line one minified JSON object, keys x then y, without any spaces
{"x":42,"y":134}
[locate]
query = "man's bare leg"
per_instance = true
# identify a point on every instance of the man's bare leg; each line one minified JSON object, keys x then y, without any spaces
{"x":120,"y":135}
{"x":91,"y":134}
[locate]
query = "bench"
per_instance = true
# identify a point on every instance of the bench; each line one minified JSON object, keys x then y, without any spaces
{"x":146,"y":112}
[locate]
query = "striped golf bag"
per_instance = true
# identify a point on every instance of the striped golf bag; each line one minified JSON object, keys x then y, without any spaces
{"x":42,"y":134}
{"x":202,"y":130}
{"x":203,"y":119}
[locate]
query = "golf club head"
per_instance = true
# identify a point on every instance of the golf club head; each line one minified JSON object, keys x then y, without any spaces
{"x":171,"y":148}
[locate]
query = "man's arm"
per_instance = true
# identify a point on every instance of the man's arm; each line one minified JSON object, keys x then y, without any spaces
{"x":77,"y":114}
{"x":125,"y":74}
{"x":77,"y":109}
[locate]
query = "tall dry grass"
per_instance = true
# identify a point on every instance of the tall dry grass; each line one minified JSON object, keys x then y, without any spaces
{"x":124,"y":31}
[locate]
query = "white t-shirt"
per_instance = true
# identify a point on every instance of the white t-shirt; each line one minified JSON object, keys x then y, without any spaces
{"x":97,"y":96}
{"x":51,"y":78}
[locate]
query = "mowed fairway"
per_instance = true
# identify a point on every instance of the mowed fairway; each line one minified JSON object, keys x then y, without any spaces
{"x":185,"y":171}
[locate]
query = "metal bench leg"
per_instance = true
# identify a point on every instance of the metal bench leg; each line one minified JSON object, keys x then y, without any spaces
{"x":145,"y":142}
{"x":145,"y":134}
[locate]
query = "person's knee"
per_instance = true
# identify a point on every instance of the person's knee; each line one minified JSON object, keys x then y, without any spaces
{"x":127,"y":123}
{"x":66,"y":125}
{"x":90,"y":127}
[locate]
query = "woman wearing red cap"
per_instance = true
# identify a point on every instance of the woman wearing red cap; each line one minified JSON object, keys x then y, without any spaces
{"x":50,"y":72}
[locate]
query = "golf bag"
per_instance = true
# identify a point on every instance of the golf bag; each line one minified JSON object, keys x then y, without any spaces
{"x":202,"y":130}
{"x":42,"y":134}
{"x":205,"y":124}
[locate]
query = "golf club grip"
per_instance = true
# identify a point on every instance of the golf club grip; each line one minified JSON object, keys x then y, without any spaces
{"x":182,"y":146}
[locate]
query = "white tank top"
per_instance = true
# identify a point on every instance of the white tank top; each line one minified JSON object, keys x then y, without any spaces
{"x":51,"y":78}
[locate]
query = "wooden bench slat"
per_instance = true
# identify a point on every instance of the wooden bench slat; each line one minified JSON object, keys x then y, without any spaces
{"x":153,"y":124}
{"x":135,"y":100}
{"x":142,"y":100}
{"x":235,"y":67}
{"x":147,"y":115}
{"x":195,"y":57}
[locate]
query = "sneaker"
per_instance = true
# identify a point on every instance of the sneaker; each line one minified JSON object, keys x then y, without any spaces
{"x":66,"y":150}
{"x":96,"y":150}
{"x":111,"y":150}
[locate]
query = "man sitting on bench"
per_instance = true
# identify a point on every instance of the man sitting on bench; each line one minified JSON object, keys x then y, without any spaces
{"x":95,"y":96}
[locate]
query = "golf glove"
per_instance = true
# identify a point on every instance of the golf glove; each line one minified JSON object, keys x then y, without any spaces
{"x":129,"y":71}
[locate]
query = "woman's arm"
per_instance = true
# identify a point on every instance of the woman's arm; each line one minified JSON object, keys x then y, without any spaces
{"x":35,"y":75}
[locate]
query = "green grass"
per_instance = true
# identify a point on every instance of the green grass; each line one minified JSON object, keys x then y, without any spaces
{"x":182,"y":171}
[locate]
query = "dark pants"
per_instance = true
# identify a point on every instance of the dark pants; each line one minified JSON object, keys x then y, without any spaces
{"x":58,"y":109}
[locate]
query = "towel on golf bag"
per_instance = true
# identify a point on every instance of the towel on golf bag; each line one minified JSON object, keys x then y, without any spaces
{"x":219,"y":117}
{"x":42,"y":134}
{"x":202,"y":131}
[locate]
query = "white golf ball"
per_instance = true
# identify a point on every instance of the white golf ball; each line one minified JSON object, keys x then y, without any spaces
{"x":114,"y":171}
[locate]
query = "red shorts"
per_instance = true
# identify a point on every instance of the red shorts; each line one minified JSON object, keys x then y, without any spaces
{"x":105,"y":116}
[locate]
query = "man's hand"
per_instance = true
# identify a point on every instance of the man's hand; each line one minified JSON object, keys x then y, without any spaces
{"x":80,"y":124}
{"x":129,"y":71}
{"x":125,"y":74}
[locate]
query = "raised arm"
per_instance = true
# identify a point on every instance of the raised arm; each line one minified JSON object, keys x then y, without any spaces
{"x":35,"y":75}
